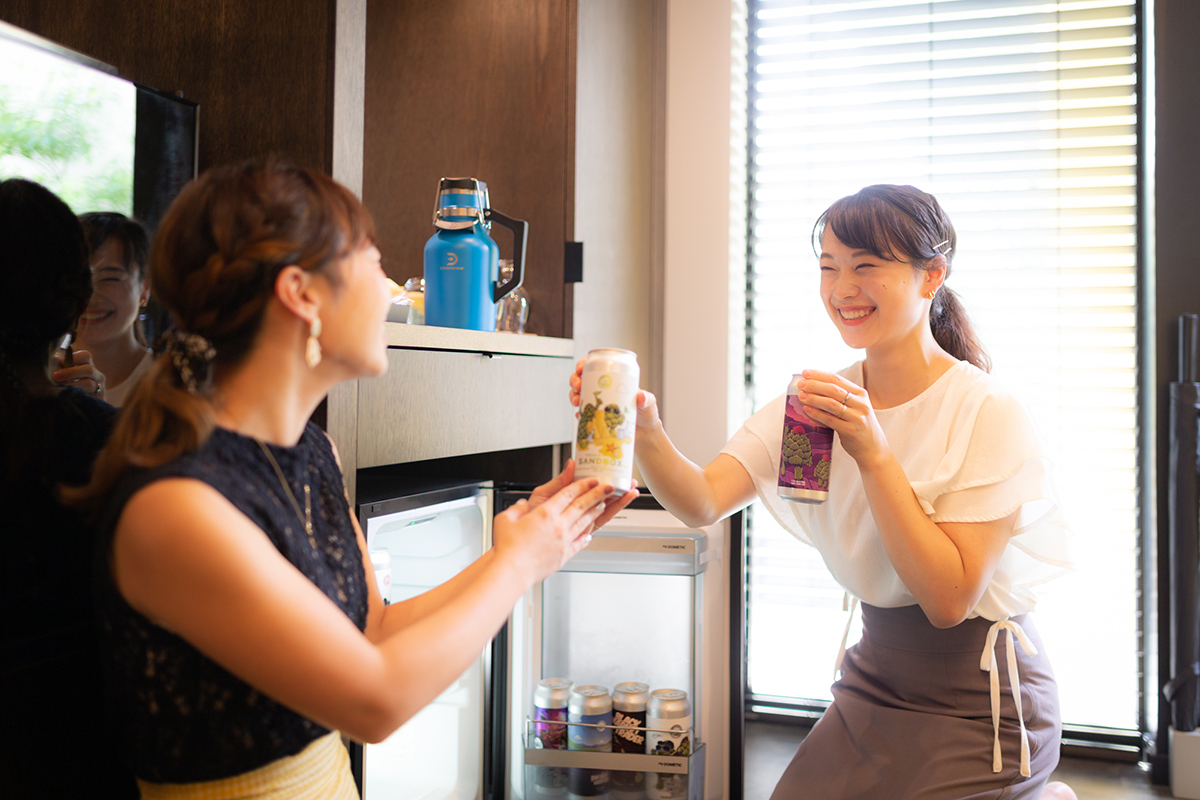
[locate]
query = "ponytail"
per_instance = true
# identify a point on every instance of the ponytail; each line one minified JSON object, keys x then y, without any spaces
{"x":953,"y":331}
{"x":159,"y":422}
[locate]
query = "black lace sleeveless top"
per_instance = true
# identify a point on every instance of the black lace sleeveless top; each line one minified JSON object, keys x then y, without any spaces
{"x":185,"y":718}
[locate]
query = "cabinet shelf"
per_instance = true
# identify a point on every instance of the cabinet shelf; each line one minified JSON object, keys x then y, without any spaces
{"x":428,"y":337}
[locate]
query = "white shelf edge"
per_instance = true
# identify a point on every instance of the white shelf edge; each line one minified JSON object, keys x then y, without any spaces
{"x":427,"y":337}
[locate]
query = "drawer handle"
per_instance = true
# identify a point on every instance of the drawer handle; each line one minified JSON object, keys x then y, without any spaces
{"x":496,"y":356}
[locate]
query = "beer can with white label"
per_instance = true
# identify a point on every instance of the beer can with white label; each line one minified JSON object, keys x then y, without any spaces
{"x":607,"y":418}
{"x":668,"y":723}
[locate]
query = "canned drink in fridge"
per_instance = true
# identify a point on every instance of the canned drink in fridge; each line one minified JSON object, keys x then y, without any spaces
{"x":549,"y":783}
{"x":668,"y":723}
{"x":806,"y":453}
{"x":587,"y":783}
{"x":628,"y":785}
{"x":629,"y":717}
{"x":550,"y":701}
{"x":591,"y":705}
{"x":607,"y":418}
{"x":664,"y":786}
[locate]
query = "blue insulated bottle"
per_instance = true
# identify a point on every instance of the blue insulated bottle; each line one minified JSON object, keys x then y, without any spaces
{"x":462,"y":263}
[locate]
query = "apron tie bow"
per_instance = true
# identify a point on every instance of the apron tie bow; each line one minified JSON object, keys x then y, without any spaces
{"x":987,"y":663}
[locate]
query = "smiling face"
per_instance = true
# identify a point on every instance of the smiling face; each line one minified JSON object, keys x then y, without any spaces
{"x":874,"y":302}
{"x":118,"y":291}
{"x":352,"y":317}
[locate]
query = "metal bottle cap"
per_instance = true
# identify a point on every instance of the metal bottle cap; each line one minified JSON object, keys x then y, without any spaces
{"x":669,"y":704}
{"x":553,"y":693}
{"x":631,"y":696}
{"x":590,"y":700}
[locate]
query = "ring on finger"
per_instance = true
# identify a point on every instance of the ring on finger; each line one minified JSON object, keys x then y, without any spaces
{"x":846,"y":398}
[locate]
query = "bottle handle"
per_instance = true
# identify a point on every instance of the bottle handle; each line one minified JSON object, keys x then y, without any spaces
{"x":520,"y":231}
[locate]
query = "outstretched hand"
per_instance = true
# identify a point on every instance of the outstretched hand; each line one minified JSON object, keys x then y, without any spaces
{"x":543,"y":533}
{"x":612,"y":506}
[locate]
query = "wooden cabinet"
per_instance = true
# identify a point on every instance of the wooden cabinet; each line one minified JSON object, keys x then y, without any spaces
{"x":452,"y":395}
{"x":261,"y":71}
{"x":484,"y":89}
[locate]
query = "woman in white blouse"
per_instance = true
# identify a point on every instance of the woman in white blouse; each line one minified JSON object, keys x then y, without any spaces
{"x":941,"y":520}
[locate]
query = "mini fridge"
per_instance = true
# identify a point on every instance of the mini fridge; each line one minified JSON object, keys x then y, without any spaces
{"x":648,"y":600}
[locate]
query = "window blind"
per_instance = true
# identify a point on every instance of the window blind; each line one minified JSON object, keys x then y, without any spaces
{"x":1020,"y":117}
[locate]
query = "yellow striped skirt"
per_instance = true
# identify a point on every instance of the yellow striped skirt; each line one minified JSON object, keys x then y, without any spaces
{"x":321,"y":771}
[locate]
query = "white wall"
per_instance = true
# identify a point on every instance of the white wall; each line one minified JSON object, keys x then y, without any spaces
{"x":703,"y":392}
{"x":613,"y":180}
{"x":660,"y":203}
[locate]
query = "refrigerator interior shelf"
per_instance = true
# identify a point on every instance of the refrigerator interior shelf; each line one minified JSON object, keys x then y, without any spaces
{"x":533,"y":725}
{"x":642,"y":553}
{"x":626,"y":762}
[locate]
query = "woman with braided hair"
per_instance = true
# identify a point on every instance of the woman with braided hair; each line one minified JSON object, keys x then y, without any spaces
{"x":243,"y":625}
{"x":51,"y":701}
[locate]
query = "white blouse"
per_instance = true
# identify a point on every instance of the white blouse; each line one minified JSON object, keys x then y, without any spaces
{"x":117,"y":395}
{"x":972,"y":454}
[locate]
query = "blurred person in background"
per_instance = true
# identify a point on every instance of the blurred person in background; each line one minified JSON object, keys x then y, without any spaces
{"x":110,"y":329}
{"x":53,"y":738}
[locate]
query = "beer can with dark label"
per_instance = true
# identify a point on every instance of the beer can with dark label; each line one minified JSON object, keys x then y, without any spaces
{"x":607,"y":418}
{"x":806,"y":452}
{"x":550,"y":701}
{"x":668,"y":723}
{"x":591,"y":705}
{"x":587,"y":782}
{"x":629,"y":717}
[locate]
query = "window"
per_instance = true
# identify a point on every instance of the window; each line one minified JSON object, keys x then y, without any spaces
{"x":1021,"y":118}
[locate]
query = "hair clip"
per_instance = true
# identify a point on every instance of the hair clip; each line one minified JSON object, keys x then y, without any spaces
{"x":940,"y":244}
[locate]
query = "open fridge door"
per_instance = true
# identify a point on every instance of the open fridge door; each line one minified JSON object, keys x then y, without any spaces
{"x":439,"y":753}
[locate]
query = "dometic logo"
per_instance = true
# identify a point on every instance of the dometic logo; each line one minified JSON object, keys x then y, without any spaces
{"x":670,"y":763}
{"x":673,"y":547}
{"x":452,"y":261}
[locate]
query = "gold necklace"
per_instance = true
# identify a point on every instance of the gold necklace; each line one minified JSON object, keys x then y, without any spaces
{"x":307,"y":518}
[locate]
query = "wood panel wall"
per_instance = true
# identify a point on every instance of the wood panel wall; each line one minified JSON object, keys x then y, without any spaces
{"x":261,"y":71}
{"x":484,"y":89}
